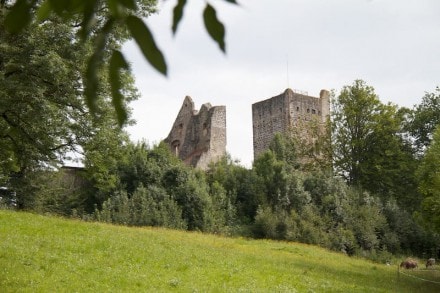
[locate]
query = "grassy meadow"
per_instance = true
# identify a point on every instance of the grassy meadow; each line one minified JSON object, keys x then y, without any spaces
{"x":48,"y":254}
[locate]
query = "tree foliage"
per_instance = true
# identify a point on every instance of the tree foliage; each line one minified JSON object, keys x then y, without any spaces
{"x":429,"y":178}
{"x":424,"y":119}
{"x":177,"y":191}
{"x":369,"y":148}
{"x":150,"y":206}
{"x":355,"y":115}
{"x":41,"y":111}
{"x":241,"y":186}
{"x":100,"y":22}
{"x":43,"y":117}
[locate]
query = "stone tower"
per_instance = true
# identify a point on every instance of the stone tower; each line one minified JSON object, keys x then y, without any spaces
{"x":198,"y":137}
{"x":280,"y":113}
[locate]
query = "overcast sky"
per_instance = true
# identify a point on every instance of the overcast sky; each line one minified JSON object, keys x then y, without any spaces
{"x":307,"y":45}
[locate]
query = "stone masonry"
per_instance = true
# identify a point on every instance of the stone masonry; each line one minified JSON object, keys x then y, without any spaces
{"x":282,"y":112}
{"x":198,"y":137}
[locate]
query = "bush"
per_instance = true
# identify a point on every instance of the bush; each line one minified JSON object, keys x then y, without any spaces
{"x":343,"y":240}
{"x":279,"y":225}
{"x":147,"y":207}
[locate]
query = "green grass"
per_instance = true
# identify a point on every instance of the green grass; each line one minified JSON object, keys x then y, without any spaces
{"x":48,"y":254}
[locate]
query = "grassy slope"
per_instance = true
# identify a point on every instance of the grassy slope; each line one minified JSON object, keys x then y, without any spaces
{"x":45,"y":254}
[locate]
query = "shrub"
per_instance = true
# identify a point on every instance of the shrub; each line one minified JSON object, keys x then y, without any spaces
{"x":275,"y":225}
{"x":147,"y":207}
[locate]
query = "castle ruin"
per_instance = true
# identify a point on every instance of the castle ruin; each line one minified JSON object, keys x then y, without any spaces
{"x":198,"y":137}
{"x":282,"y":112}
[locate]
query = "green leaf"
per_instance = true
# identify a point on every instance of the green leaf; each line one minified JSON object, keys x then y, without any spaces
{"x":117,"y":62}
{"x":44,"y":11}
{"x":60,"y":6}
{"x":19,"y":16}
{"x":232,"y":1}
{"x":177,"y":14}
{"x":143,"y":37}
{"x":94,"y":64}
{"x":88,"y":17}
{"x":113,"y":7}
{"x":69,"y":8}
{"x":130,"y":4}
{"x":214,"y":27}
{"x":92,"y":82}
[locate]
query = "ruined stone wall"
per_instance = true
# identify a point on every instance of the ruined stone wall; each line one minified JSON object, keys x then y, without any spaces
{"x":280,"y":113}
{"x":198,"y":137}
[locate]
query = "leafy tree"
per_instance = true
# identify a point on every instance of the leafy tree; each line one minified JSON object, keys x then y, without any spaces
{"x":141,"y":164}
{"x":240,"y":185}
{"x":43,"y":116}
{"x":366,"y":220}
{"x":103,"y":21}
{"x":39,"y":106}
{"x":330,"y":194}
{"x":61,"y":192}
{"x":222,"y":213}
{"x":424,"y":119}
{"x":156,"y":182}
{"x":193,"y":196}
{"x":131,"y":167}
{"x":103,"y":157}
{"x":389,"y":169}
{"x":278,"y":177}
{"x":368,"y":148}
{"x":429,"y":184}
{"x":273,"y":175}
{"x":355,"y":113}
{"x":412,"y":237}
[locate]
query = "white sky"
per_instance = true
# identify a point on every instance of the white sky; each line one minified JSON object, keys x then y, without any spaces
{"x":307,"y":45}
